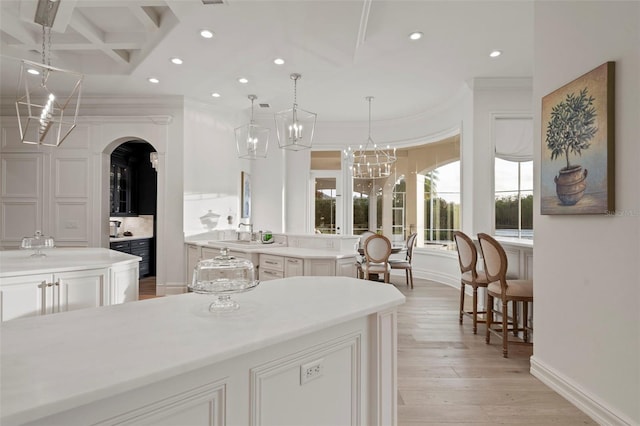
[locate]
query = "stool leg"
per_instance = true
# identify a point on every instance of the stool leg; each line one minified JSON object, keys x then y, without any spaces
{"x":515,"y":318}
{"x":489,"y":316}
{"x":475,"y":310}
{"x":461,"y":301}
{"x":411,"y":277}
{"x":505,"y":331}
{"x":525,"y":320}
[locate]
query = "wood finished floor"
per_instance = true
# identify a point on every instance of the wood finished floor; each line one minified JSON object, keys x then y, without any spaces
{"x":449,"y":376}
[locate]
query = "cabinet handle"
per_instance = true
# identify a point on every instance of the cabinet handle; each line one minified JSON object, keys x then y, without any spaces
{"x":293,"y":261}
{"x":57,"y":283}
{"x":43,"y":284}
{"x":268,"y":262}
{"x":49,"y":284}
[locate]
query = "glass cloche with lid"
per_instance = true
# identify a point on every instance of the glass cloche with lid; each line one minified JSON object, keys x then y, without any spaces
{"x":222,"y":276}
{"x":37,"y":243}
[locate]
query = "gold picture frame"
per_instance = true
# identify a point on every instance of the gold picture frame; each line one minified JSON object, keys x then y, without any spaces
{"x":578,"y":126}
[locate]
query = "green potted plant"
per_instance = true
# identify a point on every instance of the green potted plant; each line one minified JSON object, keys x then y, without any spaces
{"x":570,"y":130}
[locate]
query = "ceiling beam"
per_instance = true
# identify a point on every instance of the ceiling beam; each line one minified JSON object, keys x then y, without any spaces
{"x":95,"y":35}
{"x":148,"y":17}
{"x":362,"y":28}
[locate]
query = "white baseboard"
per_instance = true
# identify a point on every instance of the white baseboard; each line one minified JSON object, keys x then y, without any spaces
{"x":170,"y":289}
{"x":583,"y":400}
{"x":446,"y":279}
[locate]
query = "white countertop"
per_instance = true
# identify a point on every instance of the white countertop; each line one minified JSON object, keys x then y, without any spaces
{"x":61,"y":361}
{"x":19,"y":262}
{"x":133,"y":237}
{"x":277,"y":249}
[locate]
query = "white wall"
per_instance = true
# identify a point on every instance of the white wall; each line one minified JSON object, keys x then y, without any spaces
{"x":211,"y":168}
{"x":587,"y":291}
{"x":491,"y":97}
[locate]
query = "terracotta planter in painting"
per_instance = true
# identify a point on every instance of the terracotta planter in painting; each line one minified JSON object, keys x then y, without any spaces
{"x":570,"y":184}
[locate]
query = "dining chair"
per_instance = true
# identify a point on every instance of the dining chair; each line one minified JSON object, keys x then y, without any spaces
{"x":406,"y":262}
{"x":377,"y":249}
{"x":360,"y":257}
{"x":516,"y":291}
{"x":469,"y":276}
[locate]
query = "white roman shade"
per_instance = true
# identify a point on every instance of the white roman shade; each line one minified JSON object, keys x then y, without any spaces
{"x":513,"y":138}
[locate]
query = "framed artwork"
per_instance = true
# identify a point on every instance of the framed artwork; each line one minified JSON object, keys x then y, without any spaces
{"x":245,"y":195}
{"x":577,"y":165}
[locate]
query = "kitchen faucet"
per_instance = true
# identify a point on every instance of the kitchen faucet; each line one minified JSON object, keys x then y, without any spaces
{"x":250,"y":225}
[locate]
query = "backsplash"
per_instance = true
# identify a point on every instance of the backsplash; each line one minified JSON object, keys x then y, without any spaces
{"x":139,"y":226}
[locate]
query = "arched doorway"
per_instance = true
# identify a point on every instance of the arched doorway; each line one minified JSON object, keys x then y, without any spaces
{"x":133,"y":199}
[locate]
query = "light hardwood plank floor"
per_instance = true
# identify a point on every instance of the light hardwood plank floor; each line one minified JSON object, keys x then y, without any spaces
{"x":449,"y":376}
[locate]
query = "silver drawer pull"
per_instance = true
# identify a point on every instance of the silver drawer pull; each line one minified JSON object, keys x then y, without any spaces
{"x":293,"y":261}
{"x":269,"y":262}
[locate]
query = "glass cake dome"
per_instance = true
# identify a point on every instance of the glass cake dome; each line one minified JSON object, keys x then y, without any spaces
{"x":223,"y":276}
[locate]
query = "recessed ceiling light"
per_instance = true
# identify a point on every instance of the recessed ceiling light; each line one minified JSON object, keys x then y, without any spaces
{"x":215,"y":94}
{"x":176,"y":61}
{"x":153,"y":80}
{"x":32,"y":71}
{"x":206,"y":33}
{"x":278,"y":61}
{"x":415,"y":36}
{"x":243,"y":80}
{"x":495,"y":53}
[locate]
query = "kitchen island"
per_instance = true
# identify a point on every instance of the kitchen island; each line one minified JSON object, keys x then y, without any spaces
{"x":289,"y":256}
{"x":65,"y":279}
{"x":303,"y":350}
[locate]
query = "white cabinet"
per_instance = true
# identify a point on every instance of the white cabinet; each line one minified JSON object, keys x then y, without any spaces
{"x":123,"y":283}
{"x":320,"y":267}
{"x":40,"y":294}
{"x":194,"y":253}
{"x":271,"y":267}
{"x":293,"y":267}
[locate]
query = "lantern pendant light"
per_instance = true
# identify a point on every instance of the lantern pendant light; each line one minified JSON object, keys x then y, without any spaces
{"x":48,"y":98}
{"x":252,"y":140}
{"x":295,"y":126}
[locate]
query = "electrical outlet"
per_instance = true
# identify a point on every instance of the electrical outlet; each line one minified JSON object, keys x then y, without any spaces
{"x":311,"y":370}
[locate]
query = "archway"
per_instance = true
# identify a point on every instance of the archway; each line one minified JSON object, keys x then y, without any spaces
{"x":131,"y":168}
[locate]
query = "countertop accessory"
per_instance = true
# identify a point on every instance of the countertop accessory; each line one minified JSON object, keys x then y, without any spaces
{"x":114,"y":227}
{"x":210,"y":220}
{"x":295,"y":126}
{"x":222,"y":276}
{"x":38,"y":243}
{"x":266,"y":237}
{"x":252,"y":140}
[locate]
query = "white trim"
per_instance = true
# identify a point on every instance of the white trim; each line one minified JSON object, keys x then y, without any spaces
{"x":582,"y":399}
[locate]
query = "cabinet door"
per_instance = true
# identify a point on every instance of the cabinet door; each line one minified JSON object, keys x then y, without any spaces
{"x":79,"y":289}
{"x":123,"y":284}
{"x":193,"y":255}
{"x":320,"y":267}
{"x":346,"y":267}
{"x":25,"y":296}
{"x":293,"y":267}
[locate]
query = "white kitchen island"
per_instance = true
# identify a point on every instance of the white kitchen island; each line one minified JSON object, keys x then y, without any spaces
{"x":299,"y":351}
{"x":65,"y":279}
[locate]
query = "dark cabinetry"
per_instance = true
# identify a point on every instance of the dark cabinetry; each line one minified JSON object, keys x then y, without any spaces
{"x":133,"y":181}
{"x":143,"y":248}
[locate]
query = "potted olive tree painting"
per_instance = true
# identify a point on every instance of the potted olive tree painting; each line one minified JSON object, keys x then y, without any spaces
{"x":577,"y":151}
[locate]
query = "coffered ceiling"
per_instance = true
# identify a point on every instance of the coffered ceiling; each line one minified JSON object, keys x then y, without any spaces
{"x":345,"y":50}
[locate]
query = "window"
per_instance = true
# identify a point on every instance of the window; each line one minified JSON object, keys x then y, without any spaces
{"x":514,"y":198}
{"x":360,"y":207}
{"x":442,"y":203}
{"x":398,"y":211}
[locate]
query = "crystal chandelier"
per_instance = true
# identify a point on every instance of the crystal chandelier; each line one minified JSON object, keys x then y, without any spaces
{"x":295,"y":126}
{"x":369,"y":161}
{"x":48,"y":98}
{"x":252,"y":140}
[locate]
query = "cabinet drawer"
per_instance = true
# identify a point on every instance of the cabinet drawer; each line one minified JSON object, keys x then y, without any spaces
{"x":273,"y":263}
{"x":144,"y":268}
{"x":123,"y":246}
{"x":144,"y":243}
{"x":269,"y":274}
